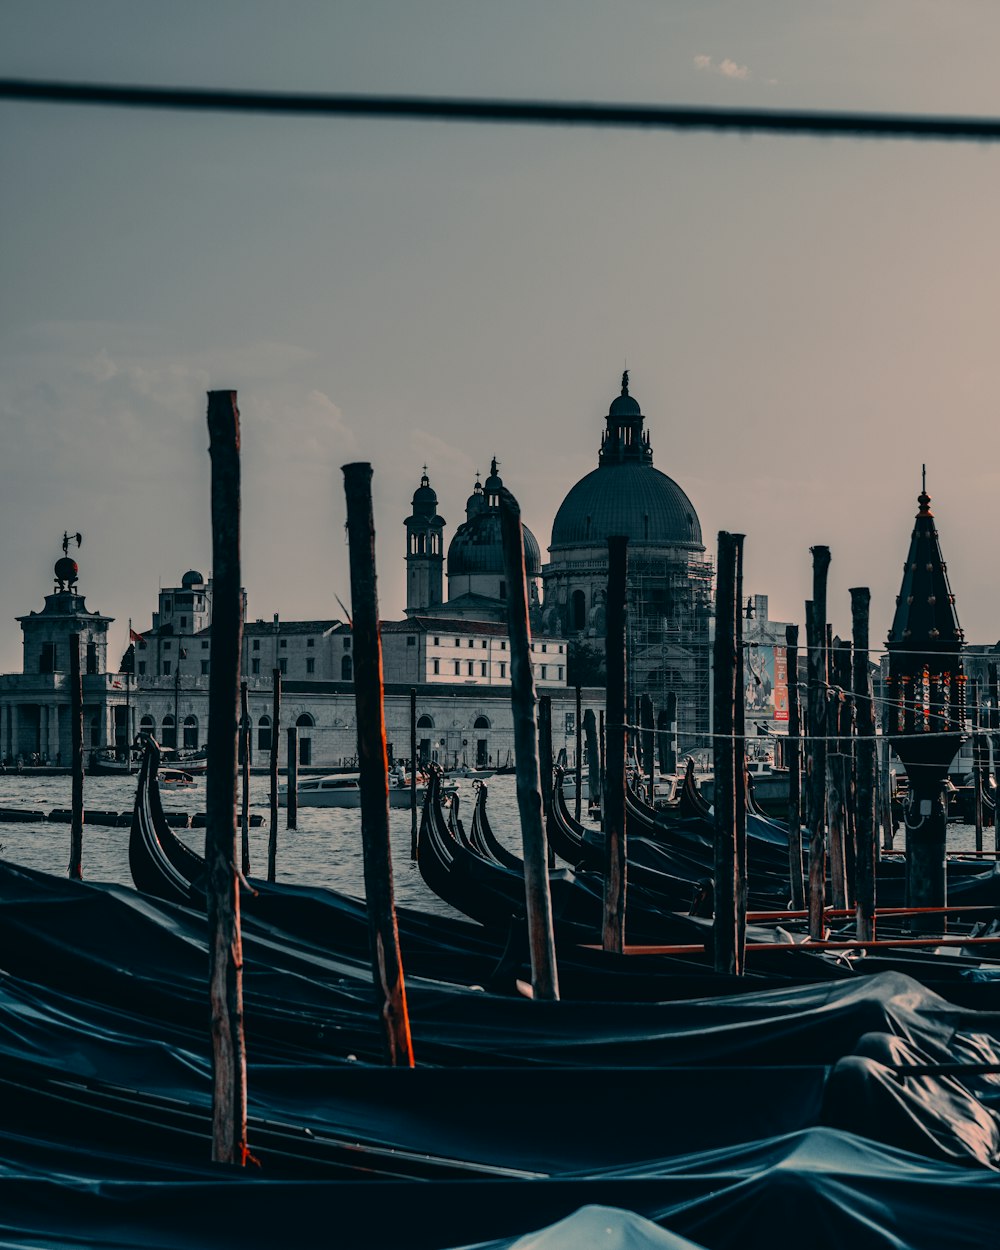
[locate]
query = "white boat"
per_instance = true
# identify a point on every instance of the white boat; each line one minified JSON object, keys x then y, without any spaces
{"x":343,"y":790}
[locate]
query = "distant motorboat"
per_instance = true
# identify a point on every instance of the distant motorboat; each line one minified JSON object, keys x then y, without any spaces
{"x":466,"y":770}
{"x":176,"y":778}
{"x":343,"y":790}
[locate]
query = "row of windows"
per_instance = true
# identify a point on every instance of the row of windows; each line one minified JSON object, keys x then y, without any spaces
{"x":283,"y":643}
{"x":471,"y":642}
{"x":48,"y":660}
{"x":427,"y":722}
{"x":470,"y":665}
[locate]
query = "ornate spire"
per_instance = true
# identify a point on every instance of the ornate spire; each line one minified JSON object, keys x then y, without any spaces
{"x":625,"y":382}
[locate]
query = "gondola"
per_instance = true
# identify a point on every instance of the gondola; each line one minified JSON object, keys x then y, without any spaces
{"x":159,"y":861}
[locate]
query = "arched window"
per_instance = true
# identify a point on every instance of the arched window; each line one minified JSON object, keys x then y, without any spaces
{"x":482,"y":722}
{"x":425,"y":722}
{"x":305,"y":721}
{"x":168,"y":732}
{"x":190,"y":733}
{"x":264,"y":734}
{"x":578,"y":610}
{"x":147,"y":727}
{"x":346,"y":669}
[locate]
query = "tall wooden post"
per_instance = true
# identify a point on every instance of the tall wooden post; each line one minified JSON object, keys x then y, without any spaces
{"x":740,"y":763}
{"x":977,"y":761}
{"x":229,"y":1080}
{"x":816,"y":745}
{"x":866,"y":826}
{"x":728,"y":749}
{"x":413,"y":774}
{"x":292,"y":778}
{"x":615,"y":875}
{"x":373,"y":767}
{"x":579,"y":753}
{"x":593,"y":757}
{"x":272,"y":839}
{"x":538,"y":900}
{"x":835,"y":799}
{"x":995,"y":743}
{"x":795,"y":864}
{"x":602,"y":755}
{"x":76,"y":759}
{"x":546,"y":767}
{"x":648,"y":745}
{"x":245,"y":757}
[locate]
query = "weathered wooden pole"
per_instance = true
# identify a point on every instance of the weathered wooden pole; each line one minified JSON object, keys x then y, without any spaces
{"x":545,"y":759}
{"x":836,"y":807}
{"x":866,"y":829}
{"x":245,"y":757}
{"x":578,"y":808}
{"x":615,"y":875}
{"x":272,"y":838}
{"x":538,"y":900}
{"x":76,"y":759}
{"x":593,"y":757}
{"x":413,"y":774}
{"x":648,"y":745}
{"x":977,"y":762}
{"x":816,"y":744}
{"x":229,"y":1079}
{"x":292,"y":777}
{"x":795,"y":864}
{"x":739,"y":761}
{"x":995,"y":743}
{"x":373,"y":767}
{"x":602,"y":753}
{"x":725,"y":693}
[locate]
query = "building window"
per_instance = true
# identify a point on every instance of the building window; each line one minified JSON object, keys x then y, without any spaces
{"x":560,"y":672}
{"x":483,"y":644}
{"x":147,"y":726}
{"x":166,"y":605}
{"x":503,"y":644}
{"x":425,"y":722}
{"x":47,"y":661}
{"x":471,"y":643}
{"x":190,"y":733}
{"x":168,"y":732}
{"x":560,"y":649}
{"x":283,"y":642}
{"x":310,"y":642}
{"x":204,"y":644}
{"x":458,"y":667}
{"x":545,"y":672}
{"x":166,"y":668}
{"x":545,"y":647}
{"x":256,"y":644}
{"x":184,"y":622}
{"x":142,"y":668}
{"x":437,"y":642}
{"x":458,"y":642}
{"x":469,"y":668}
{"x":311,"y":664}
{"x":503,"y":670}
{"x":168,"y":645}
{"x":578,"y":610}
{"x":347,"y":644}
{"x":437,"y":666}
{"x":410,"y":640}
{"x":204,"y":668}
{"x":264,"y":734}
{"x":255,"y":667}
{"x":91,"y":657}
{"x":346,"y":669}
{"x":283,"y":666}
{"x":482,"y":670}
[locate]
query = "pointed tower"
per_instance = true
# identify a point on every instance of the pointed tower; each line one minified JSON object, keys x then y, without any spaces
{"x":925,"y":714}
{"x":424,"y":550}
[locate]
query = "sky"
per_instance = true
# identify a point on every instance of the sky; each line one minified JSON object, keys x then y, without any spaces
{"x":805,"y":321}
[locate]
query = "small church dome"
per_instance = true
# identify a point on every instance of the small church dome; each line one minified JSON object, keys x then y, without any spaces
{"x":192,"y":578}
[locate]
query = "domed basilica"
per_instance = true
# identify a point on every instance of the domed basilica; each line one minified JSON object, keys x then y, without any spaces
{"x":669,"y":577}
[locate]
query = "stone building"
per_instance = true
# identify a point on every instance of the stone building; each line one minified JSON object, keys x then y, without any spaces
{"x":669,"y":575}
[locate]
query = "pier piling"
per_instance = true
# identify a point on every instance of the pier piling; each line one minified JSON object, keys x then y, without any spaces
{"x":615,"y":874}
{"x":272,"y":837}
{"x":76,"y":759}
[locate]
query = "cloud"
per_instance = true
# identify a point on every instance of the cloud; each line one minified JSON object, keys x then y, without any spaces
{"x":727,"y":67}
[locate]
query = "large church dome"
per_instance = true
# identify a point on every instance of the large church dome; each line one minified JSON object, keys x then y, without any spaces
{"x":477,"y":547}
{"x":625,"y":494}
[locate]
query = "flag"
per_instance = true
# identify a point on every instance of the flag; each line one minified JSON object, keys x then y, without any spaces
{"x":116,"y":685}
{"x":133,"y":636}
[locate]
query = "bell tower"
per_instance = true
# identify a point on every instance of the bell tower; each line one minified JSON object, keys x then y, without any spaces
{"x":424,"y":550}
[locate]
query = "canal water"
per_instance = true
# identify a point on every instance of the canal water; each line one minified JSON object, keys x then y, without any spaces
{"x":325,"y":849}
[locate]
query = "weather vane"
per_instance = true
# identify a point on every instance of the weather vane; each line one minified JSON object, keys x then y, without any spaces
{"x":68,"y":538}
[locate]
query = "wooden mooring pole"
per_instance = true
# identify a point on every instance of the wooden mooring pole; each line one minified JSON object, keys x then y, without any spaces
{"x":545,"y":768}
{"x":245,"y":759}
{"x":795,"y":860}
{"x":578,"y":808}
{"x":413,"y":774}
{"x":229,"y":1079}
{"x":866,"y":828}
{"x":648,"y":738}
{"x":593,"y":758}
{"x":836,"y":804}
{"x":994,"y":681}
{"x":816,"y":746}
{"x":292,"y":778}
{"x":538,"y":900}
{"x":615,"y":876}
{"x":76,"y":759}
{"x":272,"y":837}
{"x":373,"y":767}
